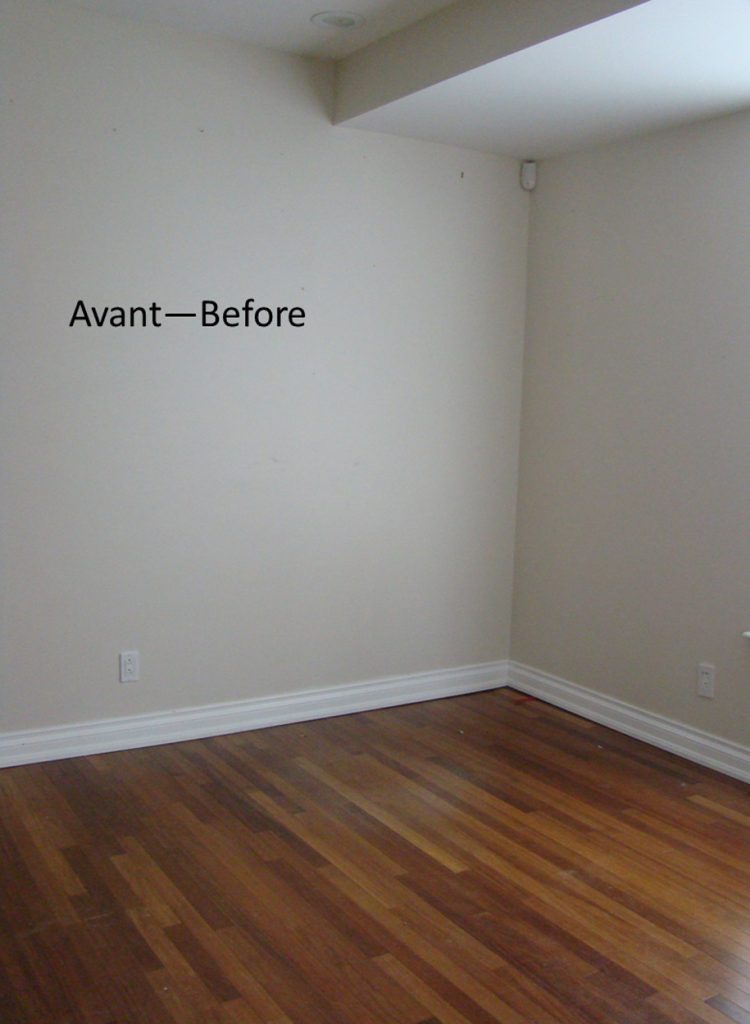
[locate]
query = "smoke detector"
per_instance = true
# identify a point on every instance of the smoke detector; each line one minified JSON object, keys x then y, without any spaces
{"x":337,"y":19}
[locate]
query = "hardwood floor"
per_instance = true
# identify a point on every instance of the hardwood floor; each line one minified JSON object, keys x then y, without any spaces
{"x":485,"y":858}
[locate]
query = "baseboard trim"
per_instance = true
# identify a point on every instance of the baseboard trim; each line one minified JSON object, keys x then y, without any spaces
{"x":127,"y":733}
{"x":694,"y":744}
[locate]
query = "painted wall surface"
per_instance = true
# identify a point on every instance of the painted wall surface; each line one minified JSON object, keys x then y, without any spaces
{"x":633,"y":552}
{"x":254,"y":512}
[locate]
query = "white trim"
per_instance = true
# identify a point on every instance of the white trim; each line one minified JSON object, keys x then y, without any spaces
{"x":49,"y":744}
{"x":694,"y":744}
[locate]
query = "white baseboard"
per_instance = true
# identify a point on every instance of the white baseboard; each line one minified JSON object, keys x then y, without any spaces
{"x":50,"y":744}
{"x":99,"y":737}
{"x":694,"y":744}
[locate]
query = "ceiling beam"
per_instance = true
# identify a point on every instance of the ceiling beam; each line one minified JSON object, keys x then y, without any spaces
{"x":458,"y":38}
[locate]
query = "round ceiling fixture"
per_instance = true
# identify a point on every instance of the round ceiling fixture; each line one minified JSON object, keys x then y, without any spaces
{"x":337,"y":19}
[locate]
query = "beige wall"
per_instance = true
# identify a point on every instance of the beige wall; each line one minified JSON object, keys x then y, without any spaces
{"x":260,"y":513}
{"x":255,"y":513}
{"x":633,"y":553}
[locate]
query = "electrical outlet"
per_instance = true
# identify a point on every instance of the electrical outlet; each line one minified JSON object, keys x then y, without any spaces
{"x":706,"y":680}
{"x":129,"y":668}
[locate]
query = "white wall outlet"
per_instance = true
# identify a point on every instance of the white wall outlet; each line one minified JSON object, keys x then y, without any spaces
{"x":129,"y":667}
{"x":706,"y":680}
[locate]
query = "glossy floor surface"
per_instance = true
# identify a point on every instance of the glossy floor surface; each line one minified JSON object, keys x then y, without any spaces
{"x":480,"y":859}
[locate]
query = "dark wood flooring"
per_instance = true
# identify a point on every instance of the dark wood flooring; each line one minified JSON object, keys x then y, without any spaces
{"x":480,"y":859}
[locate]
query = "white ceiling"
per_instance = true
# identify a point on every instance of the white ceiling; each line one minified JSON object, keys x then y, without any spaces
{"x":278,"y":24}
{"x":664,"y":63}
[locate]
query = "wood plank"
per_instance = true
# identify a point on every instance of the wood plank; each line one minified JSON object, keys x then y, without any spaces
{"x":464,"y":861}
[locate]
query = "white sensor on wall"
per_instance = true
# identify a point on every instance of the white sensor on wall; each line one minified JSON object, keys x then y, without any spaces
{"x":528,"y":175}
{"x":129,"y":668}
